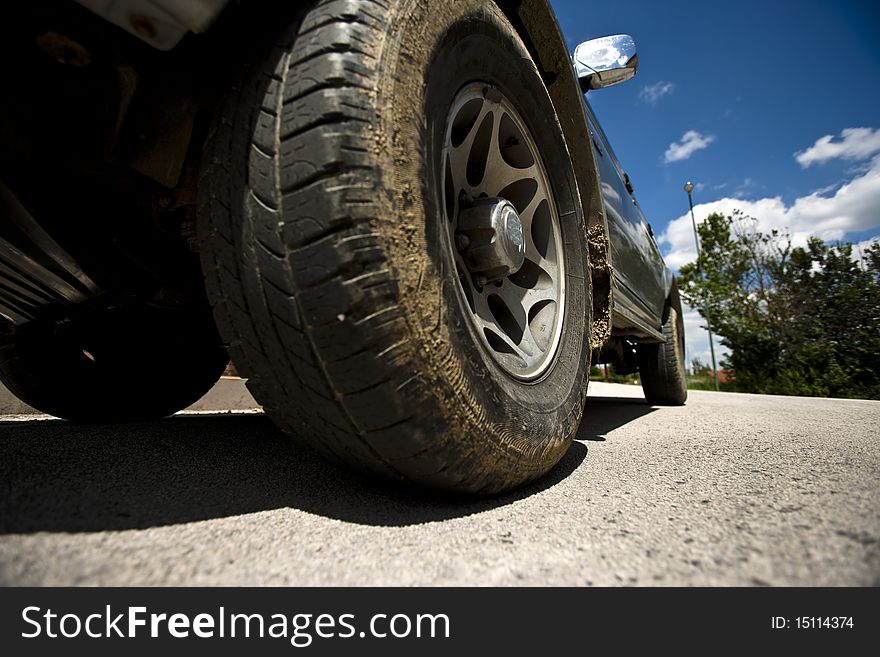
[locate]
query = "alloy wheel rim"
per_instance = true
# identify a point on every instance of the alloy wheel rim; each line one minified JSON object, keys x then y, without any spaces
{"x":497,"y":202}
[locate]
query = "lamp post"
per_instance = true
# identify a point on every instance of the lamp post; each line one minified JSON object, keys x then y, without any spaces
{"x":689,"y":187}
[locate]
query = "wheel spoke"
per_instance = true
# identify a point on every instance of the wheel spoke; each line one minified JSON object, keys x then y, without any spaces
{"x":499,"y":174}
{"x":533,"y":256}
{"x":484,"y":315}
{"x":459,"y":156}
{"x":529,"y":343}
{"x":532,"y":253}
{"x":533,"y":296}
{"x":527,"y":300}
{"x":526,"y":351}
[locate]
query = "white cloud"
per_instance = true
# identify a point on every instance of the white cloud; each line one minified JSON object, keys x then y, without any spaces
{"x":850,"y":209}
{"x":858,"y":252}
{"x":602,"y":54}
{"x":745,"y":188}
{"x":652,"y":93}
{"x":691,"y":142}
{"x":854,"y":144}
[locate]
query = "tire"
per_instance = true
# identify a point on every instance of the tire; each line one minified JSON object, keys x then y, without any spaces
{"x":130,"y":366}
{"x":328,"y":254}
{"x":661,"y":366}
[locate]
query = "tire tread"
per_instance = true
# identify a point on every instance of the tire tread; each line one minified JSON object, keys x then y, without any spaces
{"x":301,"y":286}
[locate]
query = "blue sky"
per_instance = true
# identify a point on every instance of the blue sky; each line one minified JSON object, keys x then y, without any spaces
{"x":770,"y":107}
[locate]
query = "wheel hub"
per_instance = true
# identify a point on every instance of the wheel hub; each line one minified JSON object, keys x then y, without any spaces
{"x":490,"y":237}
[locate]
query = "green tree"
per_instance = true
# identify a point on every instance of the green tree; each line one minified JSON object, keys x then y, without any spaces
{"x":796,"y":320}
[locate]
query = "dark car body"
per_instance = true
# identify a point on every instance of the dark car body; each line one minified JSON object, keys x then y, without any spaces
{"x":641,"y":278}
{"x":105,"y":129}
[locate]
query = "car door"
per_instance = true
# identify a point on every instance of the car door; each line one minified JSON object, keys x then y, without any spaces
{"x":638,"y":266}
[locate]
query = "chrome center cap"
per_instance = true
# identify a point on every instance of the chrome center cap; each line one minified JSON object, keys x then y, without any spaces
{"x":490,"y":237}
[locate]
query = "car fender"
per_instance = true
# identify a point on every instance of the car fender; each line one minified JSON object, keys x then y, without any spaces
{"x":537,"y":26}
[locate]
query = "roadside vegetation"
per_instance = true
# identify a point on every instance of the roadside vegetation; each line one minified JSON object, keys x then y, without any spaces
{"x":700,"y":377}
{"x":796,"y":320}
{"x":606,"y":374}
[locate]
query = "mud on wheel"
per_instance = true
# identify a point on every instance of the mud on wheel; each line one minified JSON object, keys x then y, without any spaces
{"x":394,"y":245}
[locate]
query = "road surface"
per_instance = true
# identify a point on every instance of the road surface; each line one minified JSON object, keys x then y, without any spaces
{"x":728,"y":490}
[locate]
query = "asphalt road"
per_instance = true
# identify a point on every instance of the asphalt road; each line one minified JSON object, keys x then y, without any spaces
{"x":728,"y":490}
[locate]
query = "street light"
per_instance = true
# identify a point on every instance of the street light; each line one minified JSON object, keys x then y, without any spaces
{"x":689,"y":187}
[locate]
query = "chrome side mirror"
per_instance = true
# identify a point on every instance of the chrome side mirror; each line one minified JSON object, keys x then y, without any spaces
{"x":605,"y":61}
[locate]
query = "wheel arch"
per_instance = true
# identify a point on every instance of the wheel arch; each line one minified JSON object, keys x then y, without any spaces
{"x":537,"y":26}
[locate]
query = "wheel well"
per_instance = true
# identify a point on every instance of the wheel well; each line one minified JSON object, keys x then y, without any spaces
{"x":673,"y":300}
{"x":102,"y":141}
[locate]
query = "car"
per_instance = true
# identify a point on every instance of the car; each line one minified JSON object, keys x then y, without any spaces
{"x":401,"y":219}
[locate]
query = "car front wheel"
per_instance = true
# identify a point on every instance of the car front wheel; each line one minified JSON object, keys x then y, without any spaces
{"x":395,"y":246}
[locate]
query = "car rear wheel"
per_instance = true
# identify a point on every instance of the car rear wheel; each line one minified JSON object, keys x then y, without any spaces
{"x":395,"y":247}
{"x":661,"y":366}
